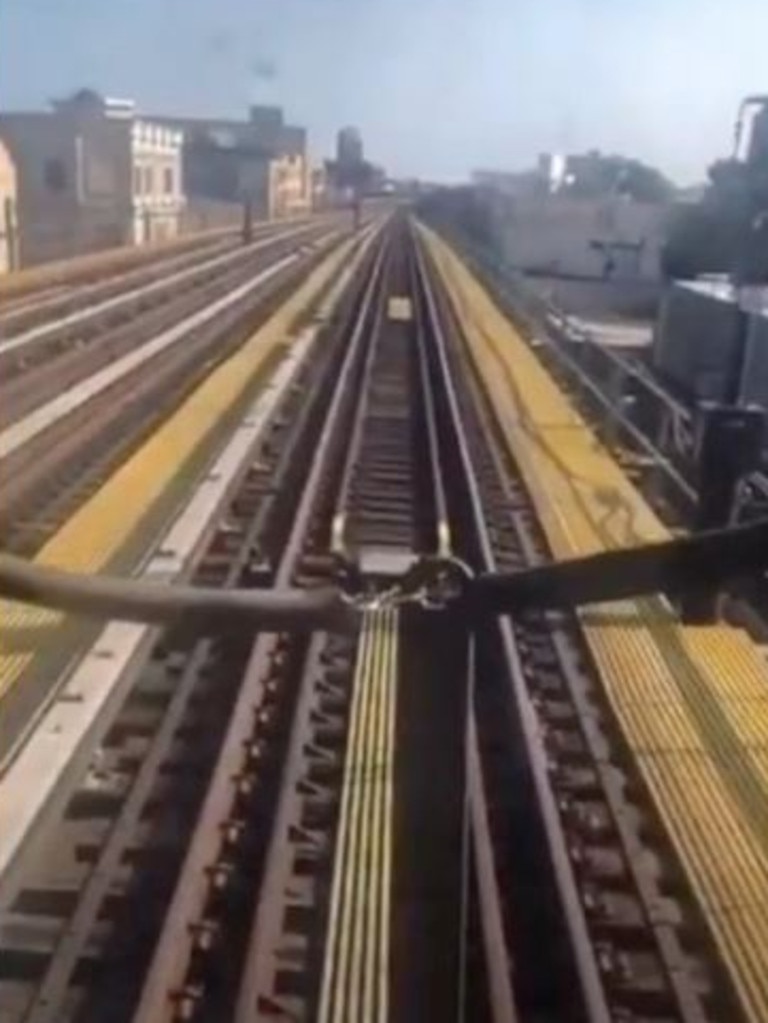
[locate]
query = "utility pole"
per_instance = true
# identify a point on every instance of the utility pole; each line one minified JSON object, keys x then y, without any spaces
{"x":9,"y":233}
{"x":247,"y":222}
{"x":749,"y":267}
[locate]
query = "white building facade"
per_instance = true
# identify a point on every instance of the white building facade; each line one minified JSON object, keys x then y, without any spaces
{"x":156,"y":176}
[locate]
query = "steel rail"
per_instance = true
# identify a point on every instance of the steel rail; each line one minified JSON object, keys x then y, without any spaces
{"x":582,"y":950}
{"x":436,"y":452}
{"x":267,"y":921}
{"x":171,"y":955}
{"x":227,"y":557}
{"x":157,"y":285}
{"x":29,"y":312}
{"x":686,"y":562}
{"x":378,"y":502}
{"x":339,"y":538}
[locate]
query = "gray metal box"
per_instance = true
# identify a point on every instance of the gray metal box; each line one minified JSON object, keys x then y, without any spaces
{"x":697,"y":342}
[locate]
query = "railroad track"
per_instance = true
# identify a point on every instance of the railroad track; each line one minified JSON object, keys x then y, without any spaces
{"x":255,"y":507}
{"x":417,"y":818}
{"x":649,"y":432}
{"x":652,"y":705}
{"x":50,"y":280}
{"x":23,"y":314}
{"x":59,"y":452}
{"x":109,"y":529}
{"x":307,"y":691}
{"x":85,"y":325}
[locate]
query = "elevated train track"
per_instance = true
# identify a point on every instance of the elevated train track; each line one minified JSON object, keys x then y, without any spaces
{"x":89,"y":312}
{"x":67,"y":418}
{"x":651,"y":434}
{"x":39,"y":283}
{"x":680,"y":695}
{"x":99,"y":532}
{"x":24,"y":314}
{"x":549,"y":817}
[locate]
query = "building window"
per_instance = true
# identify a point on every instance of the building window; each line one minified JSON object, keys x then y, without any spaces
{"x":149,"y":184}
{"x":137,"y":180}
{"x":55,"y":175}
{"x":168,"y":180}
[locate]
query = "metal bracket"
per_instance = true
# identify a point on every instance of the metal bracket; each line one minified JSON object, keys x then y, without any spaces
{"x":431,"y":582}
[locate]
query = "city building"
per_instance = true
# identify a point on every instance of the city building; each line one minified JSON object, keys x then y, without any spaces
{"x":553,"y":171}
{"x":349,"y":147}
{"x":508,"y":182}
{"x":158,"y":199}
{"x":8,"y":221}
{"x":613,"y":238}
{"x":260,"y":161}
{"x":583,"y":217}
{"x":758,"y":146}
{"x":377,"y":180}
{"x":320,"y":187}
{"x":91,"y":174}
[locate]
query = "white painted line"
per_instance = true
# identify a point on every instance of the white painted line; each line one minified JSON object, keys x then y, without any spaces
{"x":47,"y":415}
{"x":80,"y":315}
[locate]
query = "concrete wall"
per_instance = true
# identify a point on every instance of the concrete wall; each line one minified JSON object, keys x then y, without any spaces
{"x":44,"y":153}
{"x":564,"y":236}
{"x":70,"y":185}
{"x":89,"y":180}
{"x":208,"y":214}
{"x":635,"y":299}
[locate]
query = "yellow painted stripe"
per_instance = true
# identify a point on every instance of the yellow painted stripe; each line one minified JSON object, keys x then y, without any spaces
{"x":350,"y":973}
{"x":692,"y":702}
{"x":385,"y":920}
{"x":355,"y":981}
{"x":335,"y":951}
{"x":364,"y":899}
{"x":98,"y":530}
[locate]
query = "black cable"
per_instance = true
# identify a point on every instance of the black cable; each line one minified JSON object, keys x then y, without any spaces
{"x":703,"y":562}
{"x":157,"y":604}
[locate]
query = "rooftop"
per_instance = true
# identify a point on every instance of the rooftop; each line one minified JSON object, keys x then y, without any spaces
{"x":752,"y":298}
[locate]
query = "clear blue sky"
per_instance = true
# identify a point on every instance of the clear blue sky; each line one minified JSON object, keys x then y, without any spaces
{"x":436,"y":86}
